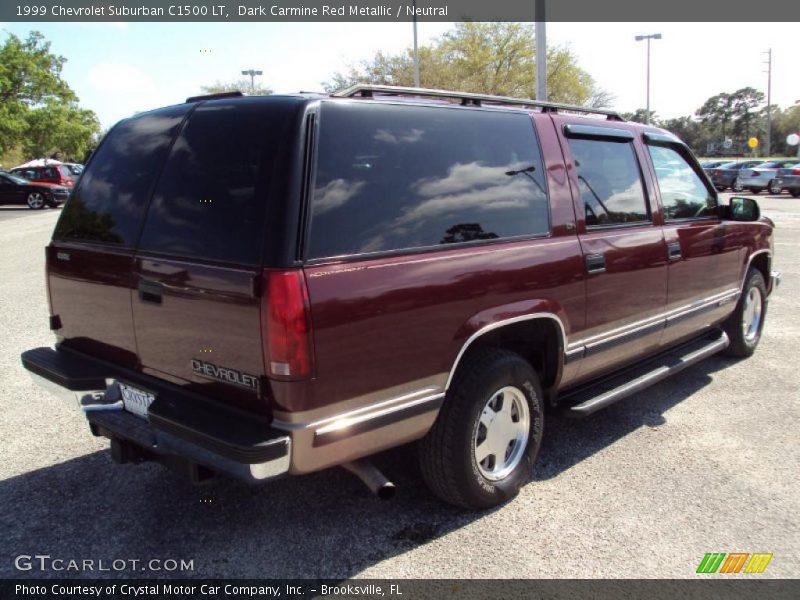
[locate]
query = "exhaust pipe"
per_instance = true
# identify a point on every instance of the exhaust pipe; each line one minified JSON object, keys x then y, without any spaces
{"x":372,"y":478}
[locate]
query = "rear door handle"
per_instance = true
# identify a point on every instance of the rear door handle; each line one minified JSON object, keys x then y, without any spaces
{"x":674,"y":251}
{"x":150,"y":291}
{"x":595,"y":263}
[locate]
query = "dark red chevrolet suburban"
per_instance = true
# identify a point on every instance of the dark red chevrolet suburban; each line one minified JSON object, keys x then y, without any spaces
{"x":265,"y":285}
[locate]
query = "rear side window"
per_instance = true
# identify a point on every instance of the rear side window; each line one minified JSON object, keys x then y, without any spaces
{"x":110,"y":200}
{"x":209,"y":202}
{"x":391,"y":178}
{"x":683,"y":193}
{"x":610,"y":181}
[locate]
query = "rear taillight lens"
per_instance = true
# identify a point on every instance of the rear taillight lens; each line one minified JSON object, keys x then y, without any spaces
{"x":716,"y":173}
{"x":286,"y":325}
{"x":795,"y":171}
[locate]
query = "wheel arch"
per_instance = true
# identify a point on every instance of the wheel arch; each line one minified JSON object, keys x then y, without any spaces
{"x":540,"y":337}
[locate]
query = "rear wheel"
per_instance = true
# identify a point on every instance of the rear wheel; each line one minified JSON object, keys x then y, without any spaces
{"x":744,"y":326}
{"x":481,"y":449}
{"x":795,"y":193}
{"x":775,"y":188}
{"x":36,"y":200}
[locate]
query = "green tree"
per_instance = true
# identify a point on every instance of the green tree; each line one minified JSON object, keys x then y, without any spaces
{"x":743,"y":105}
{"x":640,"y":116}
{"x":61,"y":129}
{"x":717,"y":111}
{"x":240,"y":85}
{"x":785,"y":122}
{"x":488,"y":58}
{"x":39,"y":113}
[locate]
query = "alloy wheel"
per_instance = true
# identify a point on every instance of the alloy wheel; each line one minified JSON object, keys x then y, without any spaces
{"x":501,"y":433}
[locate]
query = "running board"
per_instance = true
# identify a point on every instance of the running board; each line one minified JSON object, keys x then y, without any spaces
{"x":592,"y":398}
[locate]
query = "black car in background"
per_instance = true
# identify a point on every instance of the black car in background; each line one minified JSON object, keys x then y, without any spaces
{"x":724,"y":176}
{"x":17,"y":190}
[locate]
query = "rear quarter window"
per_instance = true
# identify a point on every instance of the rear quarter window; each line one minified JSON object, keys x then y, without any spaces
{"x":210,"y":200}
{"x":109,"y":203}
{"x":394,"y":177}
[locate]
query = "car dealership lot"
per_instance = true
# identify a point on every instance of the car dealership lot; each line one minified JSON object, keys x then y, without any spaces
{"x":706,"y":462}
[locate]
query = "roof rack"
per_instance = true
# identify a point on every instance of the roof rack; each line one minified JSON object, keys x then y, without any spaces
{"x":365,"y":90}
{"x":236,"y":94}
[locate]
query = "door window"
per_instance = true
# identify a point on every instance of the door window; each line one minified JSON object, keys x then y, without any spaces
{"x":684,"y":195}
{"x":610,"y":182}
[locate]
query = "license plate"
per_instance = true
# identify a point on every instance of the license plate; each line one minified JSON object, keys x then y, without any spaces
{"x":135,"y":400}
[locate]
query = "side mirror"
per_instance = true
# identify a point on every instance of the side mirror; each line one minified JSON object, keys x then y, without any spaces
{"x":743,"y":209}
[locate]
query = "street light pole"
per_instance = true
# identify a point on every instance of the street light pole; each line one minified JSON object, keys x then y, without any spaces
{"x":416,"y":51}
{"x":541,"y":50}
{"x":639,"y":38}
{"x":252,"y":73}
{"x":769,"y":102}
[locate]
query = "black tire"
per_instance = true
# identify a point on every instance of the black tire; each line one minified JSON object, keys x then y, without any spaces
{"x":753,"y":190}
{"x":774,"y":188}
{"x":720,"y":188}
{"x":743,"y":345}
{"x":447,"y":454}
{"x":795,"y":193}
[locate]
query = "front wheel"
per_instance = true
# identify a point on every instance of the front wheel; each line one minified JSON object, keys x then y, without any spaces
{"x":795,"y":193}
{"x":737,"y":187}
{"x":36,"y":200}
{"x":745,"y":324}
{"x":481,"y":449}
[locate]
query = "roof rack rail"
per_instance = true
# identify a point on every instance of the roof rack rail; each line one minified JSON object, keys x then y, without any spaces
{"x":236,"y":94}
{"x":366,"y":90}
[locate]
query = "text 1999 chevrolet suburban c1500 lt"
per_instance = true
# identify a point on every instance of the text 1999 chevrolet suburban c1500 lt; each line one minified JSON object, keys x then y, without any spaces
{"x":266,"y":285}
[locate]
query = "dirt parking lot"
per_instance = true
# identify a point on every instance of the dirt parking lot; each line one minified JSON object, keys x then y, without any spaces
{"x":706,"y":462}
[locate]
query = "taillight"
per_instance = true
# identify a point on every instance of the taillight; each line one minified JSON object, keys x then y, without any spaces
{"x":286,"y":325}
{"x":754,"y":173}
{"x":716,"y":173}
{"x":795,"y":172}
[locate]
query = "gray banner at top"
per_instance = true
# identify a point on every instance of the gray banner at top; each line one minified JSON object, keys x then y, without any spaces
{"x":398,"y":10}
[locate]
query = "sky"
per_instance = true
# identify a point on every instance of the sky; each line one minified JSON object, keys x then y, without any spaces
{"x":121,"y":68}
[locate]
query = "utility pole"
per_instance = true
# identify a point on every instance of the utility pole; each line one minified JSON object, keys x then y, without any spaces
{"x":769,"y":102}
{"x":541,"y":50}
{"x":416,"y":50}
{"x":252,"y":73}
{"x":639,"y":38}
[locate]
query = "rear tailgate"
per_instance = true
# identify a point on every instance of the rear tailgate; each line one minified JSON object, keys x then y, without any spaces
{"x":198,"y":265}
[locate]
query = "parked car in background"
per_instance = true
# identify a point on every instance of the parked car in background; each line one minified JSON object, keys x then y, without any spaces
{"x":17,"y":190}
{"x":756,"y":179}
{"x":789,"y":181}
{"x":724,"y":176}
{"x":710,"y":164}
{"x":76,"y":168}
{"x":58,"y":174}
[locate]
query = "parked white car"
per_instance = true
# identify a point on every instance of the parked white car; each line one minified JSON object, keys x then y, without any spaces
{"x":758,"y":178}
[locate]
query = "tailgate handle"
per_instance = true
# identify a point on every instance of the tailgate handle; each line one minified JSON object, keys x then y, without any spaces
{"x":150,"y":291}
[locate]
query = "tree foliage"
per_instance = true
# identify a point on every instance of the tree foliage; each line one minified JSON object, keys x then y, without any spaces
{"x":39,"y":113}
{"x":239,"y":85}
{"x":488,"y":58}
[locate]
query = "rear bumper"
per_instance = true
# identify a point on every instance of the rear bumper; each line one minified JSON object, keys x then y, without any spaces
{"x":181,"y":426}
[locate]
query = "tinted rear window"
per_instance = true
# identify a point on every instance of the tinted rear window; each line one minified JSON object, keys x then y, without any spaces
{"x":394,"y":177}
{"x":110,"y":200}
{"x":210,"y":200}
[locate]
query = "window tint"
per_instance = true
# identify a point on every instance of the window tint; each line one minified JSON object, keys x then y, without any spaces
{"x":108,"y":204}
{"x":683,"y":193}
{"x":392,"y":177}
{"x":209,"y":203}
{"x":610,"y":181}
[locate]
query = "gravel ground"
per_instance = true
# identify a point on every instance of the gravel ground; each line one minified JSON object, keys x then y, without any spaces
{"x":706,"y":462}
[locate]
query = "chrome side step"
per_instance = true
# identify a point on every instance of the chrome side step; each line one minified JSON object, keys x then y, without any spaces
{"x":592,"y":398}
